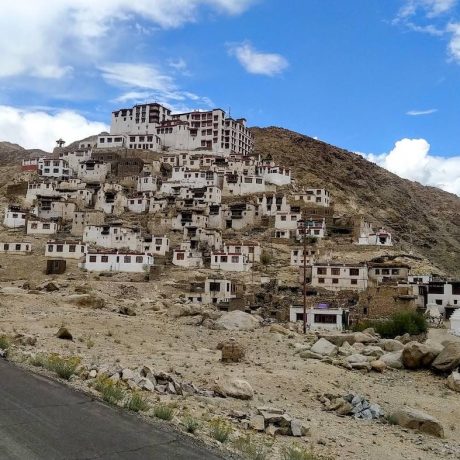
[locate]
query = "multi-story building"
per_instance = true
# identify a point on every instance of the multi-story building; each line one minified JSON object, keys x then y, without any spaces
{"x":54,"y":167}
{"x":340,"y":277}
{"x":153,"y":126}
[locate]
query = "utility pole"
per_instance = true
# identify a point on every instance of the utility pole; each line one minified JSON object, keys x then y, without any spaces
{"x":304,"y":275}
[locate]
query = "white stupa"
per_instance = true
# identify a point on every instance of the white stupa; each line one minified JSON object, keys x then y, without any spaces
{"x":455,"y":322}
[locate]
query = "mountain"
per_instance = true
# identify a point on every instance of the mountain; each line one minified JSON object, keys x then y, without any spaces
{"x":425,"y":218}
{"x":12,"y":153}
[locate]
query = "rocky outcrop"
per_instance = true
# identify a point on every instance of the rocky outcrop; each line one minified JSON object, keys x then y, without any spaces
{"x":237,"y":321}
{"x":233,"y":388}
{"x":448,"y":359}
{"x":417,"y":420}
{"x":416,"y":355}
{"x":324,"y":348}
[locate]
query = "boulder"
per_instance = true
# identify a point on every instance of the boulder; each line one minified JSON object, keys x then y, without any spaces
{"x":237,"y":321}
{"x":324,"y":347}
{"x":361,"y":337}
{"x":346,"y":349}
{"x":453,"y":381}
{"x":49,"y":286}
{"x":232,"y":352}
{"x":277,"y":328}
{"x":372,"y":350}
{"x":448,"y":359}
{"x":405,"y":338}
{"x":298,"y":428}
{"x":417,"y":420}
{"x":307,"y":354}
{"x":357,"y":358}
{"x":257,"y":423}
{"x":378,"y":365}
{"x":393,"y":360}
{"x":86,"y":300}
{"x":416,"y":355}
{"x":338,"y":338}
{"x":234,"y":388}
{"x":127,"y":374}
{"x":64,"y":334}
{"x":127,"y":310}
{"x":391,"y":345}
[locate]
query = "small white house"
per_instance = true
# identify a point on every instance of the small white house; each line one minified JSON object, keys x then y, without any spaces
{"x":297,"y":257}
{"x":39,"y":188}
{"x":251,"y":249}
{"x":157,"y":245}
{"x":148,"y":183}
{"x":94,"y":171}
{"x":337,"y":277}
{"x":317,"y":196}
{"x":139,"y":203}
{"x":38,"y":227}
{"x":231,"y":262}
{"x":54,"y":208}
{"x":54,"y":167}
{"x":287,"y":220}
{"x":15,"y":248}
{"x":274,"y":174}
{"x":114,"y":236}
{"x":214,"y":291}
{"x":131,"y":262}
{"x":238,"y":184}
{"x":332,"y":319}
{"x":81,"y":219}
{"x":311,"y":228}
{"x":15,"y":217}
{"x":184,"y":256}
{"x":65,"y":249}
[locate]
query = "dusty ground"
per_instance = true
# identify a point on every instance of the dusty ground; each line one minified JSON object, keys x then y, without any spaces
{"x":279,"y":377}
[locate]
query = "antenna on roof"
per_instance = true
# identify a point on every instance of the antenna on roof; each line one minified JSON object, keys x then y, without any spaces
{"x":229,"y":112}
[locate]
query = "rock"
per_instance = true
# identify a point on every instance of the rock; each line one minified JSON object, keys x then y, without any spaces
{"x":370,"y":331}
{"x":234,"y":388}
{"x":358,"y":346}
{"x":448,"y":359}
{"x":92,"y":374}
{"x":338,"y":339}
{"x":361,"y":337}
{"x":307,"y":354}
{"x":361,"y":366}
{"x":391,"y":345}
{"x":372,"y":350}
{"x":132,"y":385}
{"x":179,"y":310}
{"x":403,"y":338}
{"x":127,"y":374}
{"x":86,"y":300}
{"x":453,"y":381}
{"x":146,"y":384}
{"x":416,"y":355}
{"x":356,"y":358}
{"x":324,"y":347}
{"x":29,"y":286}
{"x":64,"y":334}
{"x":237,"y":321}
{"x":393,"y":360}
{"x":257,"y":423}
{"x":232,"y":352}
{"x":49,"y":286}
{"x":298,"y":428}
{"x":272,"y":430}
{"x":418,"y":420}
{"x":346,"y":349}
{"x":378,"y":365}
{"x":279,"y":329}
{"x":127,"y":310}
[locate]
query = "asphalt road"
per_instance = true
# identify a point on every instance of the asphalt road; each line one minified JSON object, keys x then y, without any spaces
{"x":45,"y":420}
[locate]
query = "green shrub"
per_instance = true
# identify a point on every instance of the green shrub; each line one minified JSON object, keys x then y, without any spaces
{"x":38,"y":360}
{"x":266,"y":258}
{"x":191,"y":424}
{"x":221,"y":430}
{"x":5,"y":342}
{"x":111,"y":391}
{"x":400,"y":323}
{"x":63,"y":367}
{"x":137,"y":403}
{"x":163,"y":411}
{"x":251,"y":450}
{"x":297,"y":452}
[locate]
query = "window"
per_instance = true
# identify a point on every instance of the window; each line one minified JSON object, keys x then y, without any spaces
{"x":335,"y":271}
{"x":45,"y":226}
{"x":354,"y":282}
{"x":104,"y":259}
{"x":139,"y":259}
{"x":224,"y":259}
{"x":72,"y":247}
{"x":158,"y":241}
{"x":92,"y":258}
{"x":354,"y":272}
{"x":385,"y":271}
{"x":322,"y":271}
{"x":181,"y":256}
{"x":438,"y":301}
{"x":377,"y":271}
{"x":127,"y":259}
{"x":34,"y":225}
{"x":325,"y":319}
{"x":395,"y":271}
{"x":50,"y":248}
{"x":321,"y":280}
{"x":335,"y":281}
{"x":18,"y":247}
{"x":213,"y":286}
{"x":283,"y":218}
{"x":59,"y":248}
{"x":235,"y":259}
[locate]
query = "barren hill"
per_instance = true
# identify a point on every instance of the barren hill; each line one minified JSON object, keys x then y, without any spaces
{"x":12,"y":153}
{"x":426,"y":218}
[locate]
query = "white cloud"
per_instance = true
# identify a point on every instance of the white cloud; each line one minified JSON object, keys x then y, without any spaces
{"x":416,"y":113}
{"x":41,"y":37}
{"x":411,"y":159}
{"x":257,"y":62}
{"x":454,"y":44}
{"x":40,"y":129}
{"x":431,"y":8}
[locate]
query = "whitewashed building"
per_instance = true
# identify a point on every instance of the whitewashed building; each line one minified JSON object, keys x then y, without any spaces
{"x":75,"y":157}
{"x":338,"y":277}
{"x":157,"y":245}
{"x":252,"y":250}
{"x":368,"y":237}
{"x":49,"y":208}
{"x":65,"y":249}
{"x":40,"y":188}
{"x":331,"y":319}
{"x":114,"y":236}
{"x":274,"y":174}
{"x":54,"y":167}
{"x":186,"y":257}
{"x":139,"y":203}
{"x":231,"y":262}
{"x":111,"y":199}
{"x":311,"y":228}
{"x":297,"y":257}
{"x":443,"y":294}
{"x":270,"y":205}
{"x":14,"y":217}
{"x":93,"y":171}
{"x":16,"y":248}
{"x":117,"y":261}
{"x":81,"y":219}
{"x":38,"y":227}
{"x":148,"y":183}
{"x":317,"y":196}
{"x":238,"y":184}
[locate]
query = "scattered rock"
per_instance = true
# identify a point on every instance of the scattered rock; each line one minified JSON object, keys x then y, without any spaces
{"x":86,"y":300}
{"x":357,"y":358}
{"x":127,"y":374}
{"x":324,"y":347}
{"x":378,"y":365}
{"x":126,"y":310}
{"x":49,"y":286}
{"x":232,"y":352}
{"x":234,"y":388}
{"x":393,"y":360}
{"x":417,"y":420}
{"x":391,"y":345}
{"x":237,"y":321}
{"x":416,"y":355}
{"x":453,"y":381}
{"x":64,"y":334}
{"x":279,"y":329}
{"x":448,"y":359}
{"x":257,"y":423}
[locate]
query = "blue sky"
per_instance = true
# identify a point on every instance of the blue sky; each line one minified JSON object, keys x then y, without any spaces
{"x":372,"y":76}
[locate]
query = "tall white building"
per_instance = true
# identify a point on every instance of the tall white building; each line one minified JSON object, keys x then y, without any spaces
{"x":147,"y":125}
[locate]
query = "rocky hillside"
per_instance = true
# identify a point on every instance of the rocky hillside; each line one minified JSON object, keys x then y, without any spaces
{"x":425,"y":218}
{"x":12,"y":153}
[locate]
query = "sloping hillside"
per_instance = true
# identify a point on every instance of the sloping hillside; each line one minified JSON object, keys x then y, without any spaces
{"x":12,"y":153}
{"x":425,"y":217}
